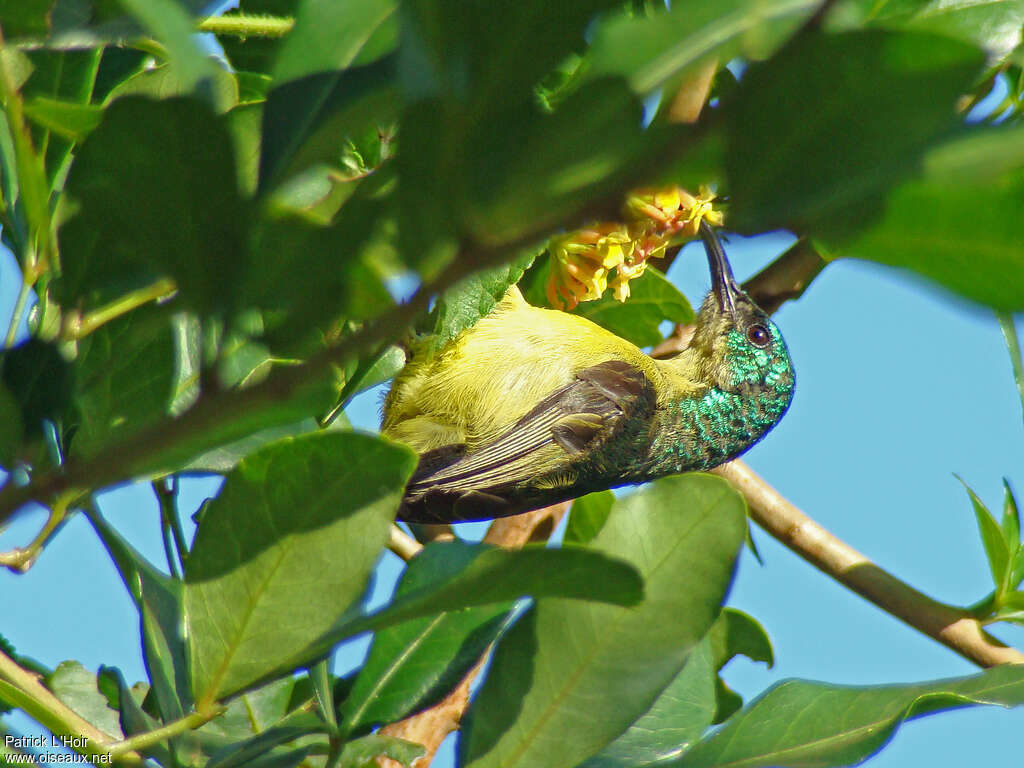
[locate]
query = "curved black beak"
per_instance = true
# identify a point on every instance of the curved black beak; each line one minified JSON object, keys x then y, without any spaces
{"x":722,"y":281}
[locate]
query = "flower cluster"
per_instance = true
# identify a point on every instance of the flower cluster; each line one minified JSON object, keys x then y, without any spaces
{"x":582,"y":262}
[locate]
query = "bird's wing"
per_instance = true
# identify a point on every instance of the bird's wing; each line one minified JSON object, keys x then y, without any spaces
{"x":554,"y":437}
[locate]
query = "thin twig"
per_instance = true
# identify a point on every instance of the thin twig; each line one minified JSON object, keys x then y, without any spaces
{"x":953,"y":627}
{"x":402,"y":544}
{"x":19,"y":310}
{"x":143,"y":741}
{"x":247,"y":25}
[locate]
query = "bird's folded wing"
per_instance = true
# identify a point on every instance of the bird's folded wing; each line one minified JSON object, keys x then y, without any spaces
{"x":552,"y":436}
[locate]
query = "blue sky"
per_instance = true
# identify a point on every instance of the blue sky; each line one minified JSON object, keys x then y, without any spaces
{"x":899,"y":385}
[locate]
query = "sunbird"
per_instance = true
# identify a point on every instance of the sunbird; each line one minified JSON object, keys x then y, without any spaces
{"x":532,"y":406}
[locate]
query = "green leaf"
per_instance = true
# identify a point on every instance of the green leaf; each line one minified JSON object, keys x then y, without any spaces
{"x":321,"y":96}
{"x":469,"y":575}
{"x":124,"y":378}
{"x":861,"y":107}
{"x":461,"y":306}
{"x":11,"y":428}
{"x":653,"y":299}
{"x":25,"y":18}
{"x":994,"y":25}
{"x":57,"y":98}
{"x":413,"y":665}
{"x":304,"y":277}
{"x":361,"y":753}
{"x":548,"y":702}
{"x":247,"y":598}
{"x":957,"y":224}
{"x":588,"y":516}
{"x":488,"y":55}
{"x":145,"y":160}
{"x":39,"y":380}
{"x":159,"y":601}
{"x":258,"y":722}
{"x":676,"y":719}
{"x":67,"y":119}
{"x":332,"y":36}
{"x":77,"y":687}
{"x":166,"y":82}
{"x":649,"y":50}
{"x":169,"y":22}
{"x":996,"y":551}
{"x":527,"y":171}
{"x":734,"y":634}
{"x":799,"y":723}
{"x":1010,"y":524}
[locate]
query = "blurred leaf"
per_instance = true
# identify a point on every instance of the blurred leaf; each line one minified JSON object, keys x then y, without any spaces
{"x":39,"y":380}
{"x":957,"y":225}
{"x":304,"y":276}
{"x":548,"y":702}
{"x":67,"y":119}
{"x":247,"y":595}
{"x":332,"y":36}
{"x":526,"y":170}
{"x":994,"y":25}
{"x":165,"y":82}
{"x":413,"y":665}
{"x":76,"y":686}
{"x":649,"y":50}
{"x":857,"y":111}
{"x":325,"y":86}
{"x":57,"y":98}
{"x":996,"y":550}
{"x":243,"y":123}
{"x":588,"y":516}
{"x":462,"y":305}
{"x":148,"y":159}
{"x":125,"y":377}
{"x":468,"y":575}
{"x":11,"y":428}
{"x":375,"y":371}
{"x":172,"y":25}
{"x":653,"y":300}
{"x":488,"y":55}
{"x":676,"y":719}
{"x":25,"y":18}
{"x":827,"y":725}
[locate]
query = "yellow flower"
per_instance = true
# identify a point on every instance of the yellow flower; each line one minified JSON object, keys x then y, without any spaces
{"x":582,"y":261}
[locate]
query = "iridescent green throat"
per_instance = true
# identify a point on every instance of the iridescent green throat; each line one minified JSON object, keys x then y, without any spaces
{"x":703,"y":432}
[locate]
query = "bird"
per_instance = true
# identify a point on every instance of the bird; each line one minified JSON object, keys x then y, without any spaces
{"x":532,"y":406}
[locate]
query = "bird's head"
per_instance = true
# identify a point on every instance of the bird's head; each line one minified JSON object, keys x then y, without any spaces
{"x":742,"y":349}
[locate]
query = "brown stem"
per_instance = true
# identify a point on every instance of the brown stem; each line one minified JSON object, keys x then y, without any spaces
{"x":431,"y":726}
{"x":953,"y":627}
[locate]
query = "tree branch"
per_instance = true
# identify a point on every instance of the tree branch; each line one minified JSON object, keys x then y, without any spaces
{"x":955,"y":628}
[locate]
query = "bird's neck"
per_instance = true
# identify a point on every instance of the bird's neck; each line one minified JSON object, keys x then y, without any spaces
{"x":710,"y":428}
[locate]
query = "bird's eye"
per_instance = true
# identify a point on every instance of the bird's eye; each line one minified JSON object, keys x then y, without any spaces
{"x":758,"y":336}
